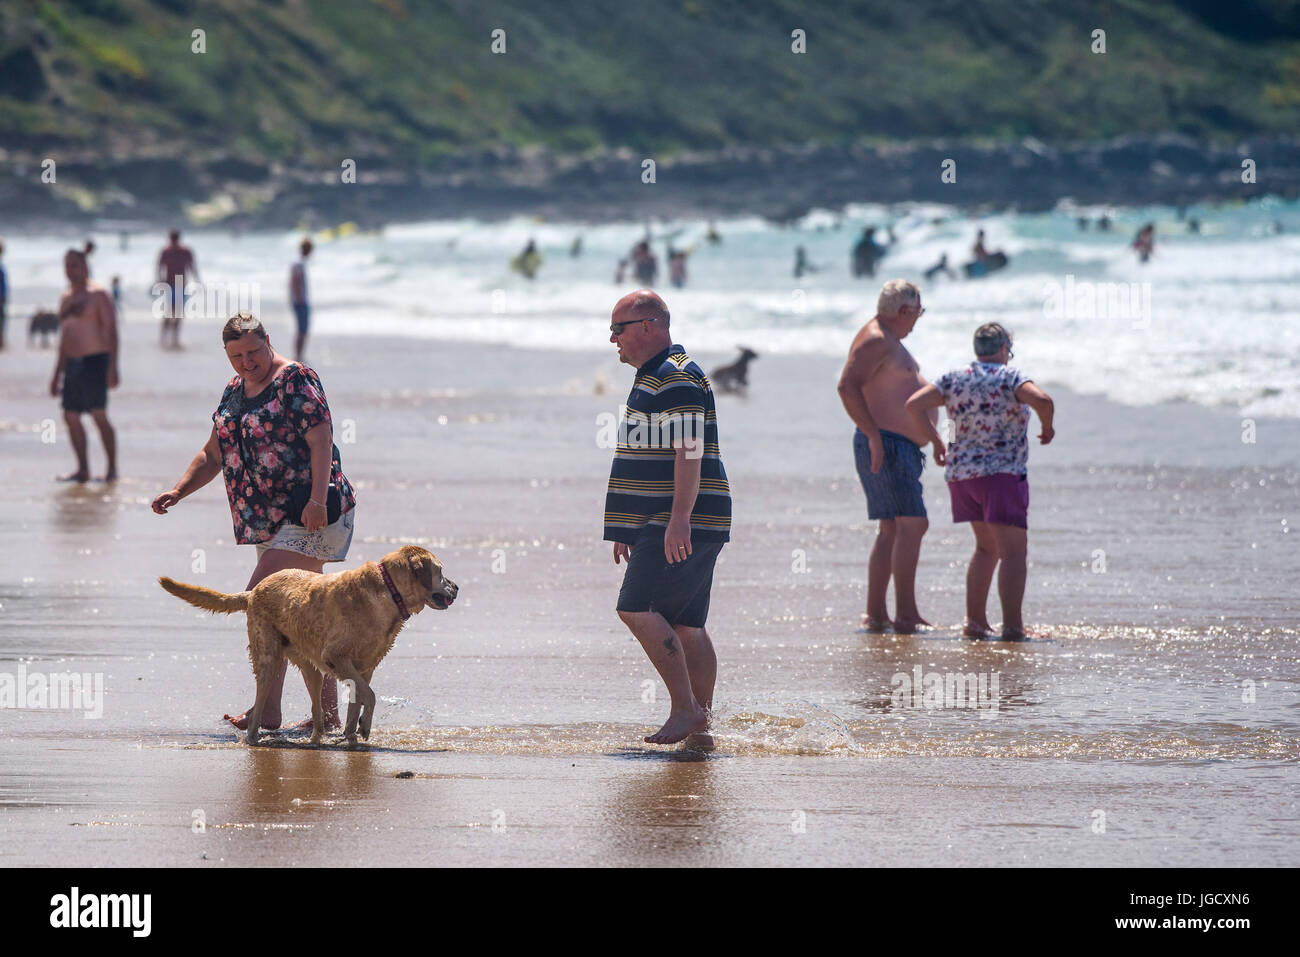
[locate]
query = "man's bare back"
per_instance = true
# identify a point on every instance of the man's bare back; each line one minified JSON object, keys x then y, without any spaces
{"x":889,"y":376}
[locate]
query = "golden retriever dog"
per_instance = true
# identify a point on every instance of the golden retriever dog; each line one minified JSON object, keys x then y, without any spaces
{"x":340,"y":624}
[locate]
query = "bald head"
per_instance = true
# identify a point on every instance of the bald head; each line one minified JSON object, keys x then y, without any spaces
{"x":643,"y":304}
{"x":640,"y":327}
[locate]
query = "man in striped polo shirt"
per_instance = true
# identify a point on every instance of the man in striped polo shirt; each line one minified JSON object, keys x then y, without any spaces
{"x":668,"y":512}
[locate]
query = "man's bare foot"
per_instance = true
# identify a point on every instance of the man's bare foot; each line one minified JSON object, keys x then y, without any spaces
{"x":975,"y":629}
{"x":82,"y":476}
{"x":876,"y":625}
{"x":269,"y":721}
{"x":909,"y":626}
{"x":110,"y":476}
{"x":699,"y":741}
{"x":678,"y":727}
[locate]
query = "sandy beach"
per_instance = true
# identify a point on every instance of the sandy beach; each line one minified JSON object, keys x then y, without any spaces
{"x":1162,"y":564}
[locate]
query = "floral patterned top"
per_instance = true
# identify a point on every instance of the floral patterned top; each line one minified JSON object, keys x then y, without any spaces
{"x":992,"y":424}
{"x":274,"y":427}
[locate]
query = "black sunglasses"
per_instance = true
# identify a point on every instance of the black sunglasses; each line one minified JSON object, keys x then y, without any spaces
{"x":617,"y":327}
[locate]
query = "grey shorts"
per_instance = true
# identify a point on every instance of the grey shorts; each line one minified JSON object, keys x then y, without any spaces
{"x":680,"y":591}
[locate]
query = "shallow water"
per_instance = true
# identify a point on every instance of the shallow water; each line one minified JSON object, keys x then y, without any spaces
{"x":1166,"y":696}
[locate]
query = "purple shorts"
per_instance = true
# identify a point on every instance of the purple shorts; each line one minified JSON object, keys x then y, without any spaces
{"x":1001,"y":499}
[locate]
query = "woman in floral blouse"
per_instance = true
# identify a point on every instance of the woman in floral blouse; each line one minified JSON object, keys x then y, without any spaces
{"x":273,"y":442}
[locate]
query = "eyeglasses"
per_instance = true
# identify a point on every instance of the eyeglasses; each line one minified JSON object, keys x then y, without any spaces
{"x":617,"y":327}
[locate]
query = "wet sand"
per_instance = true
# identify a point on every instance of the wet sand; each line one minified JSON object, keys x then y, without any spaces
{"x":520,"y":711}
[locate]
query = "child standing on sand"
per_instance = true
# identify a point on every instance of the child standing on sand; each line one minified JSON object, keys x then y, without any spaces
{"x":986,"y":468}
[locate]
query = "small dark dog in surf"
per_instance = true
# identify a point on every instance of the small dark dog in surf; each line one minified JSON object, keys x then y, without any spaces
{"x":734,"y":377}
{"x":43,"y":323}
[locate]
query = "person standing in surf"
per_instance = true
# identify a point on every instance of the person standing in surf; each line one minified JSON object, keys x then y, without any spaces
{"x":877,"y":379}
{"x":87,"y":364}
{"x":1145,"y":242}
{"x":175,"y":266}
{"x":272,"y":441}
{"x":298,"y":298}
{"x":986,"y":468}
{"x":668,"y":512}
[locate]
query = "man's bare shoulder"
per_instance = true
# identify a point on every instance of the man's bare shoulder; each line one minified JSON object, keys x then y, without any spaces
{"x":870,"y":340}
{"x":102,"y":299}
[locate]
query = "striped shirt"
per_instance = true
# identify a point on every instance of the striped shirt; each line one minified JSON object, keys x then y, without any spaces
{"x":671,"y":402}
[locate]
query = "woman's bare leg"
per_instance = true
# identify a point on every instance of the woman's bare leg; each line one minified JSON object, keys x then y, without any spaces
{"x":271,"y":561}
{"x":1013,"y":544}
{"x":979,"y":577}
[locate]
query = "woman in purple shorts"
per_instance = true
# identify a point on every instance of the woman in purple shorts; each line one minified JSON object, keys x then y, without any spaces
{"x":988,"y":404}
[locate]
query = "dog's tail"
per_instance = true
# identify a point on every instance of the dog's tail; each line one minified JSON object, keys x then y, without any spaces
{"x":207,"y":598}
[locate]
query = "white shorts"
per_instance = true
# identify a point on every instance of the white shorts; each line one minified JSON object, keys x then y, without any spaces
{"x":328,"y":544}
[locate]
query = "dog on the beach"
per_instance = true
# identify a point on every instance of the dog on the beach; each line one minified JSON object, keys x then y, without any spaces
{"x":43,"y":323}
{"x":340,"y":624}
{"x":734,"y":377}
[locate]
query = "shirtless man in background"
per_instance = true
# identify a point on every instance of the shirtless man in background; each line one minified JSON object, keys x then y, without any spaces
{"x":87,"y":363}
{"x":878,"y":379}
{"x":175,"y":265}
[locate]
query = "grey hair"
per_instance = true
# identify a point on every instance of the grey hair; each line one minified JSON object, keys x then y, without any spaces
{"x":989,"y":338}
{"x":896,"y":294}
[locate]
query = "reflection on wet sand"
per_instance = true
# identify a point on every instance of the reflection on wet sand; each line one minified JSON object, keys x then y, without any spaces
{"x":275,"y":781}
{"x":667,"y":795}
{"x":76,"y":507}
{"x":908,"y":673}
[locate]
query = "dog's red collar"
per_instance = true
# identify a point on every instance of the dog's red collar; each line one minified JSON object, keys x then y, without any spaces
{"x":392,"y":590}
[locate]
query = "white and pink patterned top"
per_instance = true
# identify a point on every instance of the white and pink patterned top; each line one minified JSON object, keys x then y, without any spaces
{"x":991,"y":423}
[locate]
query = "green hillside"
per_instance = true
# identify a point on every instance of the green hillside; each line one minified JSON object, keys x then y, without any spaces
{"x":309,"y":81}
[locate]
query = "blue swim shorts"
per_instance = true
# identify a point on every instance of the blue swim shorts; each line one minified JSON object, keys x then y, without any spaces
{"x":894,"y":491}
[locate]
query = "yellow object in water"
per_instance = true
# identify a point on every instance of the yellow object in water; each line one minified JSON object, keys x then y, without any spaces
{"x":527,"y":263}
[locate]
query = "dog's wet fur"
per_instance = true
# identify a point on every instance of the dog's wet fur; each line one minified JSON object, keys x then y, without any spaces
{"x":341,"y":624}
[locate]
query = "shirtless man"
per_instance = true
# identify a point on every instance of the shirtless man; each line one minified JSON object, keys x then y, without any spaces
{"x":87,"y":364}
{"x":877,"y":381}
{"x":175,"y":265}
{"x":298,"y":297}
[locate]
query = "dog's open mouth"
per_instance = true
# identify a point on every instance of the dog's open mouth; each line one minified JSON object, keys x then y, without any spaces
{"x":441,"y":602}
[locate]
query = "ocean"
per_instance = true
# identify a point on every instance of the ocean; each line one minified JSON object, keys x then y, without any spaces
{"x":1213,"y":318}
